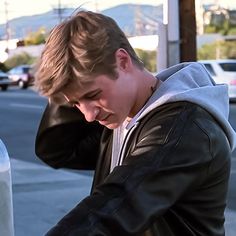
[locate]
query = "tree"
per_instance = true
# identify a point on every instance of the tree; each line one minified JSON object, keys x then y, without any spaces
{"x":3,"y":67}
{"x":218,"y":50}
{"x":148,"y":58}
{"x":36,"y":38}
{"x":19,"y":59}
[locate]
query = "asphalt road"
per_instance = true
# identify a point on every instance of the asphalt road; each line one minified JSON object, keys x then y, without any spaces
{"x":20,"y":113}
{"x":232,"y":186}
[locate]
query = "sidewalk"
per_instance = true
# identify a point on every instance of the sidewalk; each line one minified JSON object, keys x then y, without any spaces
{"x":41,"y":196}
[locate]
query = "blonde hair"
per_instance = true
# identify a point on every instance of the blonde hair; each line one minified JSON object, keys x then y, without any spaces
{"x":78,"y":49}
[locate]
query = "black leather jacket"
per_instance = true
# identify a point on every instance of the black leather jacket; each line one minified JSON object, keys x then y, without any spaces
{"x":173,"y":180}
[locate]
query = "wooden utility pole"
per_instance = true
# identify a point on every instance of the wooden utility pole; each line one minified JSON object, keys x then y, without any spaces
{"x":187,"y":19}
{"x":59,"y":11}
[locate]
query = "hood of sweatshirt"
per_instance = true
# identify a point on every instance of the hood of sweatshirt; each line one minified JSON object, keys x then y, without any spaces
{"x":191,"y":82}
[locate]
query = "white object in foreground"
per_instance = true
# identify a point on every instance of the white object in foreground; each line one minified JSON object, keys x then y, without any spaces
{"x":6,"y":206}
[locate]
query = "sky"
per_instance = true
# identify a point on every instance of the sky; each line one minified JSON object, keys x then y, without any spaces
{"x":17,"y":8}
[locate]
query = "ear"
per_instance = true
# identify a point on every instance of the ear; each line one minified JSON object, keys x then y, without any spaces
{"x":123,"y":59}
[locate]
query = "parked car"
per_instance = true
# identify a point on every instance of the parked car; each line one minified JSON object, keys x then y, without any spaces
{"x":4,"y":80}
{"x":22,"y":76}
{"x":223,"y":71}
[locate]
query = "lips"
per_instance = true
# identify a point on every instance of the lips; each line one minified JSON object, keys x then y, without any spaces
{"x":103,"y":120}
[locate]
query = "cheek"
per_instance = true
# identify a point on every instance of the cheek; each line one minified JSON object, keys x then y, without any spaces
{"x":122,"y":105}
{"x":116,"y":101}
{"x":108,"y":102}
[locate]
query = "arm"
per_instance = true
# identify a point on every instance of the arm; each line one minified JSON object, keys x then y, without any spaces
{"x":162,"y":168}
{"x":66,"y":140}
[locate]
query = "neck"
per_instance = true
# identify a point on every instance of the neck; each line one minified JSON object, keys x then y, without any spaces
{"x":147,"y":85}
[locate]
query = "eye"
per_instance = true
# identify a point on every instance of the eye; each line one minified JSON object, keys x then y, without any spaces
{"x":94,"y":95}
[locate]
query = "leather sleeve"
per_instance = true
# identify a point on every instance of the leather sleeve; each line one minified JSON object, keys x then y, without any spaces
{"x":164,"y":165}
{"x":66,"y":140}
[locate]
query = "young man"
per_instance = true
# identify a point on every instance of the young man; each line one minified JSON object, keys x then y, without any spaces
{"x":164,"y":156}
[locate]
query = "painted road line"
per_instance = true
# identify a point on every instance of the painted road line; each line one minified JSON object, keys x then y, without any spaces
{"x":21,"y":105}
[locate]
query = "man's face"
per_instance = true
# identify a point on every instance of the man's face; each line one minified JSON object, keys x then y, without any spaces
{"x":108,"y":101}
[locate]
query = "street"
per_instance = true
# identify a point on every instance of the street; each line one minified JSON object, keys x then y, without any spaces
{"x":41,"y":195}
{"x":20,"y":113}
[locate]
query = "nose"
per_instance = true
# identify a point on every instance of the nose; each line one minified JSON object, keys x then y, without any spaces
{"x":90,"y":111}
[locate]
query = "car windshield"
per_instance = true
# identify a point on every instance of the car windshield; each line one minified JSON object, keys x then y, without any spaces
{"x":228,"y":66}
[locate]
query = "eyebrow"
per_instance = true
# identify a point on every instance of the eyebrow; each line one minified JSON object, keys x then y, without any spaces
{"x":86,"y":95}
{"x":90,"y":93}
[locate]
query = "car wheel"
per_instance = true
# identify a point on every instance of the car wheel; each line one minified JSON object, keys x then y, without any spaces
{"x":4,"y":87}
{"x":22,"y":84}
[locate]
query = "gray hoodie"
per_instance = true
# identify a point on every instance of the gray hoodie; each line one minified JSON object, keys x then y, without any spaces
{"x":183,"y":82}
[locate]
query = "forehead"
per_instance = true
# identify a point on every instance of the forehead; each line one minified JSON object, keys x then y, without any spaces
{"x":77,"y":90}
{"x":76,"y":85}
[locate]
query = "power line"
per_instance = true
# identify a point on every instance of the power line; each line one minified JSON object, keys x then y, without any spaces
{"x":7,"y":26}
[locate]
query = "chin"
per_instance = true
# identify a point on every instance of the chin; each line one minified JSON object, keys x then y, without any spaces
{"x":112,"y":125}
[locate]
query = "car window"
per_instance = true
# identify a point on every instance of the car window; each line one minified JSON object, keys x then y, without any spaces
{"x":12,"y":71}
{"x":18,"y":70}
{"x":210,"y":69}
{"x":26,"y":69}
{"x":228,"y":66}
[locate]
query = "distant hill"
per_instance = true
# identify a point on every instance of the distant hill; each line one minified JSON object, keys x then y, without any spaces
{"x":136,"y":19}
{"x":133,"y":19}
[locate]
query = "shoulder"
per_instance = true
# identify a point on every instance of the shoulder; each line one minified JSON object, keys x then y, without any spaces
{"x":182,"y":134}
{"x":180,"y":122}
{"x":164,"y":119}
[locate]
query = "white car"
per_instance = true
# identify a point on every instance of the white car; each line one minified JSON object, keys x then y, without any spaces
{"x":21,"y":76}
{"x":4,"y":81}
{"x":223,"y":71}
